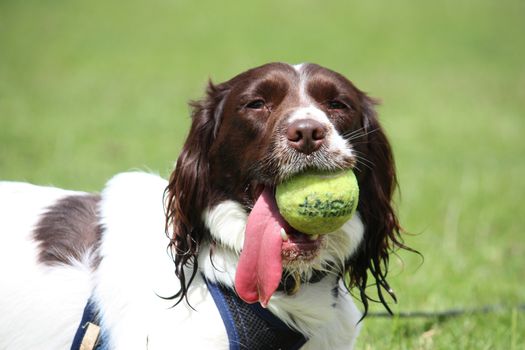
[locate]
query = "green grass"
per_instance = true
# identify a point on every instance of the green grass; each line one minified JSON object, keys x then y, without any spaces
{"x":88,"y":89}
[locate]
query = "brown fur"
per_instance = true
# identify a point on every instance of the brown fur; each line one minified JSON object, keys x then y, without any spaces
{"x":68,"y":230}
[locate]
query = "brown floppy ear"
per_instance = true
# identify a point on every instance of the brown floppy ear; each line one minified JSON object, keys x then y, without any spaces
{"x":377,"y":182}
{"x":188,"y":191}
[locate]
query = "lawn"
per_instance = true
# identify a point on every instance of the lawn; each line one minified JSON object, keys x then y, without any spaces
{"x":92,"y":88}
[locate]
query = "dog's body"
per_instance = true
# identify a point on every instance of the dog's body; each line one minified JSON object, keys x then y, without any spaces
{"x":60,"y":248}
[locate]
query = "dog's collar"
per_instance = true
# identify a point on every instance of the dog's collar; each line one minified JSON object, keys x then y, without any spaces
{"x":290,"y":284}
{"x":250,"y":326}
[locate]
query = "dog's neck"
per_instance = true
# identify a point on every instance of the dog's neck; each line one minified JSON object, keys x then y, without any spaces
{"x":219,"y":265}
{"x":305,"y":304}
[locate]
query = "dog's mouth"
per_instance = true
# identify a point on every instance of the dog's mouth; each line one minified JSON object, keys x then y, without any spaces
{"x":269,"y":244}
{"x":296,"y":245}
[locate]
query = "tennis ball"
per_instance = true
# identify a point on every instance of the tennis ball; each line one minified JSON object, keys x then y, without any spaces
{"x":318,"y":202}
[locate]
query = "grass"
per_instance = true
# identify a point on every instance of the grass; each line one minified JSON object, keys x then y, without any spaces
{"x":88,"y":89}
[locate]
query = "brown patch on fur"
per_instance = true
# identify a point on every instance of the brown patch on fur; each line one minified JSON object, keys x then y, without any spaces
{"x":69,"y":230}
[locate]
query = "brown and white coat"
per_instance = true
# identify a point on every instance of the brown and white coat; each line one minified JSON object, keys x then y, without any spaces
{"x":58,"y":248}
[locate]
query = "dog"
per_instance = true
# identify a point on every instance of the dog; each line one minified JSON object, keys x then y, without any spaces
{"x":155,"y":264}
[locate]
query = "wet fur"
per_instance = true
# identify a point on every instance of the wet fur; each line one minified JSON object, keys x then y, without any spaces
{"x":119,"y":258}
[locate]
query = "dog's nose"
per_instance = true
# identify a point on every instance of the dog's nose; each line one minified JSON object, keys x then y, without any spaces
{"x":306,"y":135}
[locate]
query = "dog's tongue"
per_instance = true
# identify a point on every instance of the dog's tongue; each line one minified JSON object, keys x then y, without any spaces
{"x":260,"y":266}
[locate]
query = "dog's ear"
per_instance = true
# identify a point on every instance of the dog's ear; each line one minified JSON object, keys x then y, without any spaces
{"x":188,"y":190}
{"x":377,"y":182}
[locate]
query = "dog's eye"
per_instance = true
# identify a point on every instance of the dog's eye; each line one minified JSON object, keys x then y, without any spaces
{"x":256,"y":104}
{"x":335,"y":104}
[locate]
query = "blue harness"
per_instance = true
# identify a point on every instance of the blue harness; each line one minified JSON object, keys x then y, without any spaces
{"x":249,"y":326}
{"x":85,"y":333}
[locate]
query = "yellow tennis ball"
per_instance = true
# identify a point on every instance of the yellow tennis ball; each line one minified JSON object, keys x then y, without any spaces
{"x":318,"y":202}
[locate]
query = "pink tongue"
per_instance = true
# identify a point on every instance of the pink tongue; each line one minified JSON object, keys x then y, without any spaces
{"x":260,"y":267}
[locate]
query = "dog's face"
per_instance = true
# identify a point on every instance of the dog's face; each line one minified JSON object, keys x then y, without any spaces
{"x":278,"y":120}
{"x":261,"y":127}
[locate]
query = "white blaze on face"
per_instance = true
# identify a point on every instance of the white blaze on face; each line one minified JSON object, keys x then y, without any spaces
{"x":309,"y":110}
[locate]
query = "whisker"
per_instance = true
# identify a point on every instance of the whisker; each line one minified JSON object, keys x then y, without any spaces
{"x":356,"y":134}
{"x":353,"y":132}
{"x":365,"y":165}
{"x":358,"y":169}
{"x":360,"y":159}
{"x":359,"y":156}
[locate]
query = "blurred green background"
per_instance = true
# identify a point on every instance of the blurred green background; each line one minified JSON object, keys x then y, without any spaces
{"x":92,"y":88}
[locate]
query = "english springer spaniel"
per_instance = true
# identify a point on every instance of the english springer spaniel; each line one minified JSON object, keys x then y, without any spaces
{"x":155,"y":264}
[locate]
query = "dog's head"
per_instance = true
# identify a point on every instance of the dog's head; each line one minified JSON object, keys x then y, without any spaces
{"x":256,"y":130}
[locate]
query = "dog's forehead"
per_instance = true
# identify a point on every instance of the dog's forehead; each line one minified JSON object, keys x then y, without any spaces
{"x":296,"y":76}
{"x":267,"y":72}
{"x":318,"y":75}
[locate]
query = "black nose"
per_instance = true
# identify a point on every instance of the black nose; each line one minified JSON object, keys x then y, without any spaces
{"x":306,"y":135}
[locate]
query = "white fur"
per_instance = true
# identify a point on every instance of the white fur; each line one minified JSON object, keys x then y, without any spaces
{"x":335,"y":142}
{"x":304,"y":98}
{"x":227,"y":222}
{"x":40,"y":306}
{"x":136,"y":270}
